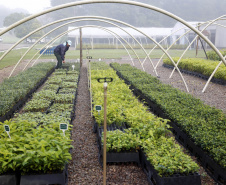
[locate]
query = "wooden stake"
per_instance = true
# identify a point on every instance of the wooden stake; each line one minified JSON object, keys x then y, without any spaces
{"x":197,"y":43}
{"x":80,"y":31}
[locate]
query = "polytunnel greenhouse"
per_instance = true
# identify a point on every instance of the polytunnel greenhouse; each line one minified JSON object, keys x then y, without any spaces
{"x":93,"y":99}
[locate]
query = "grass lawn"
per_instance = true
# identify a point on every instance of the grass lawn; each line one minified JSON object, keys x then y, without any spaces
{"x":13,"y":57}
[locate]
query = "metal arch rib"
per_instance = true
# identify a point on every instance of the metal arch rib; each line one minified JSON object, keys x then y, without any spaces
{"x":122,"y":2}
{"x":62,"y":34}
{"x":118,"y":22}
{"x":69,"y":23}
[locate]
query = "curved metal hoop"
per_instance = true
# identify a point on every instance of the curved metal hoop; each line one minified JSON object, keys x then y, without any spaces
{"x":70,"y":23}
{"x":209,"y":23}
{"x":121,"y":2}
{"x":64,"y":33}
{"x":120,"y":23}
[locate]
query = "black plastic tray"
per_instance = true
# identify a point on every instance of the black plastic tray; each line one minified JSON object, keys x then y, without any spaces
{"x":120,"y":157}
{"x":175,"y":179}
{"x":10,"y":179}
{"x":40,"y":179}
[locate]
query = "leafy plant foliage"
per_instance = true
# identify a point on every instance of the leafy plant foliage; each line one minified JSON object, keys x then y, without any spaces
{"x":16,"y":88}
{"x":146,"y":131}
{"x":202,"y":66}
{"x":213,"y":56}
{"x":37,"y":145}
{"x":204,"y":124}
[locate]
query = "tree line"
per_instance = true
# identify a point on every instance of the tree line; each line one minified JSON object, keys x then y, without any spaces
{"x":192,"y":10}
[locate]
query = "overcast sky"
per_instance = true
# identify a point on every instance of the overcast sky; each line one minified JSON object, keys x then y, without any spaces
{"x":32,"y":6}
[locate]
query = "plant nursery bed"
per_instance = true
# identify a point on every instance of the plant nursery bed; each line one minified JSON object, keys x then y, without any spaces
{"x":214,"y":170}
{"x":39,"y":179}
{"x":214,"y":80}
{"x":10,"y":179}
{"x":21,"y":102}
{"x":100,"y":129}
{"x":114,"y":157}
{"x":137,"y":92}
{"x":175,"y":179}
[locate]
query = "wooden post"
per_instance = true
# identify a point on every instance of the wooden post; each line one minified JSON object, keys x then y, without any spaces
{"x":197,"y":44}
{"x":80,"y":30}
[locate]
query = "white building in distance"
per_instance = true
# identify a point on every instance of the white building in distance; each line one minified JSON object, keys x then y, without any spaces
{"x":216,"y":33}
{"x":93,"y":35}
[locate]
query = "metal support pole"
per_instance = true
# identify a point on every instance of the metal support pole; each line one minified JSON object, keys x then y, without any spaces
{"x":100,"y":80}
{"x":80,"y":31}
{"x":105,"y":135}
{"x":211,"y":76}
{"x":203,"y":47}
{"x":90,"y":88}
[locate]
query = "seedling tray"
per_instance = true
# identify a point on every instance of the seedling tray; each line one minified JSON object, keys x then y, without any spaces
{"x":100,"y":129}
{"x":213,"y":169}
{"x":175,"y":179}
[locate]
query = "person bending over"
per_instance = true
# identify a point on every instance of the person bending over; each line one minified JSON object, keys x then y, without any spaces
{"x":60,"y":51}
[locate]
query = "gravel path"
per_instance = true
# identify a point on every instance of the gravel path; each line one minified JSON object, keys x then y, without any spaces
{"x":84,"y":167}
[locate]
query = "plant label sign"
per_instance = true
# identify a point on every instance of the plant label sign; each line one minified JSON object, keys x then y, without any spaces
{"x":7,"y":129}
{"x":98,"y":108}
{"x":63,"y":127}
{"x":73,"y":66}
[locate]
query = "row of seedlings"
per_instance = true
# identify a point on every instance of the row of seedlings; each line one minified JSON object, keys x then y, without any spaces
{"x":199,"y":127}
{"x":132,"y":128}
{"x":38,"y":148}
{"x":201,"y":68}
{"x":15,"y":91}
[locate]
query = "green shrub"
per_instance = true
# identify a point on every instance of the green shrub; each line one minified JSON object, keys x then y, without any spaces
{"x":16,"y":88}
{"x":146,"y":130}
{"x":212,"y":55}
{"x":204,"y":124}
{"x":202,"y":66}
{"x":43,"y":149}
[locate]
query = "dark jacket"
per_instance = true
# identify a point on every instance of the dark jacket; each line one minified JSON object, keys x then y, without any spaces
{"x":61,"y":50}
